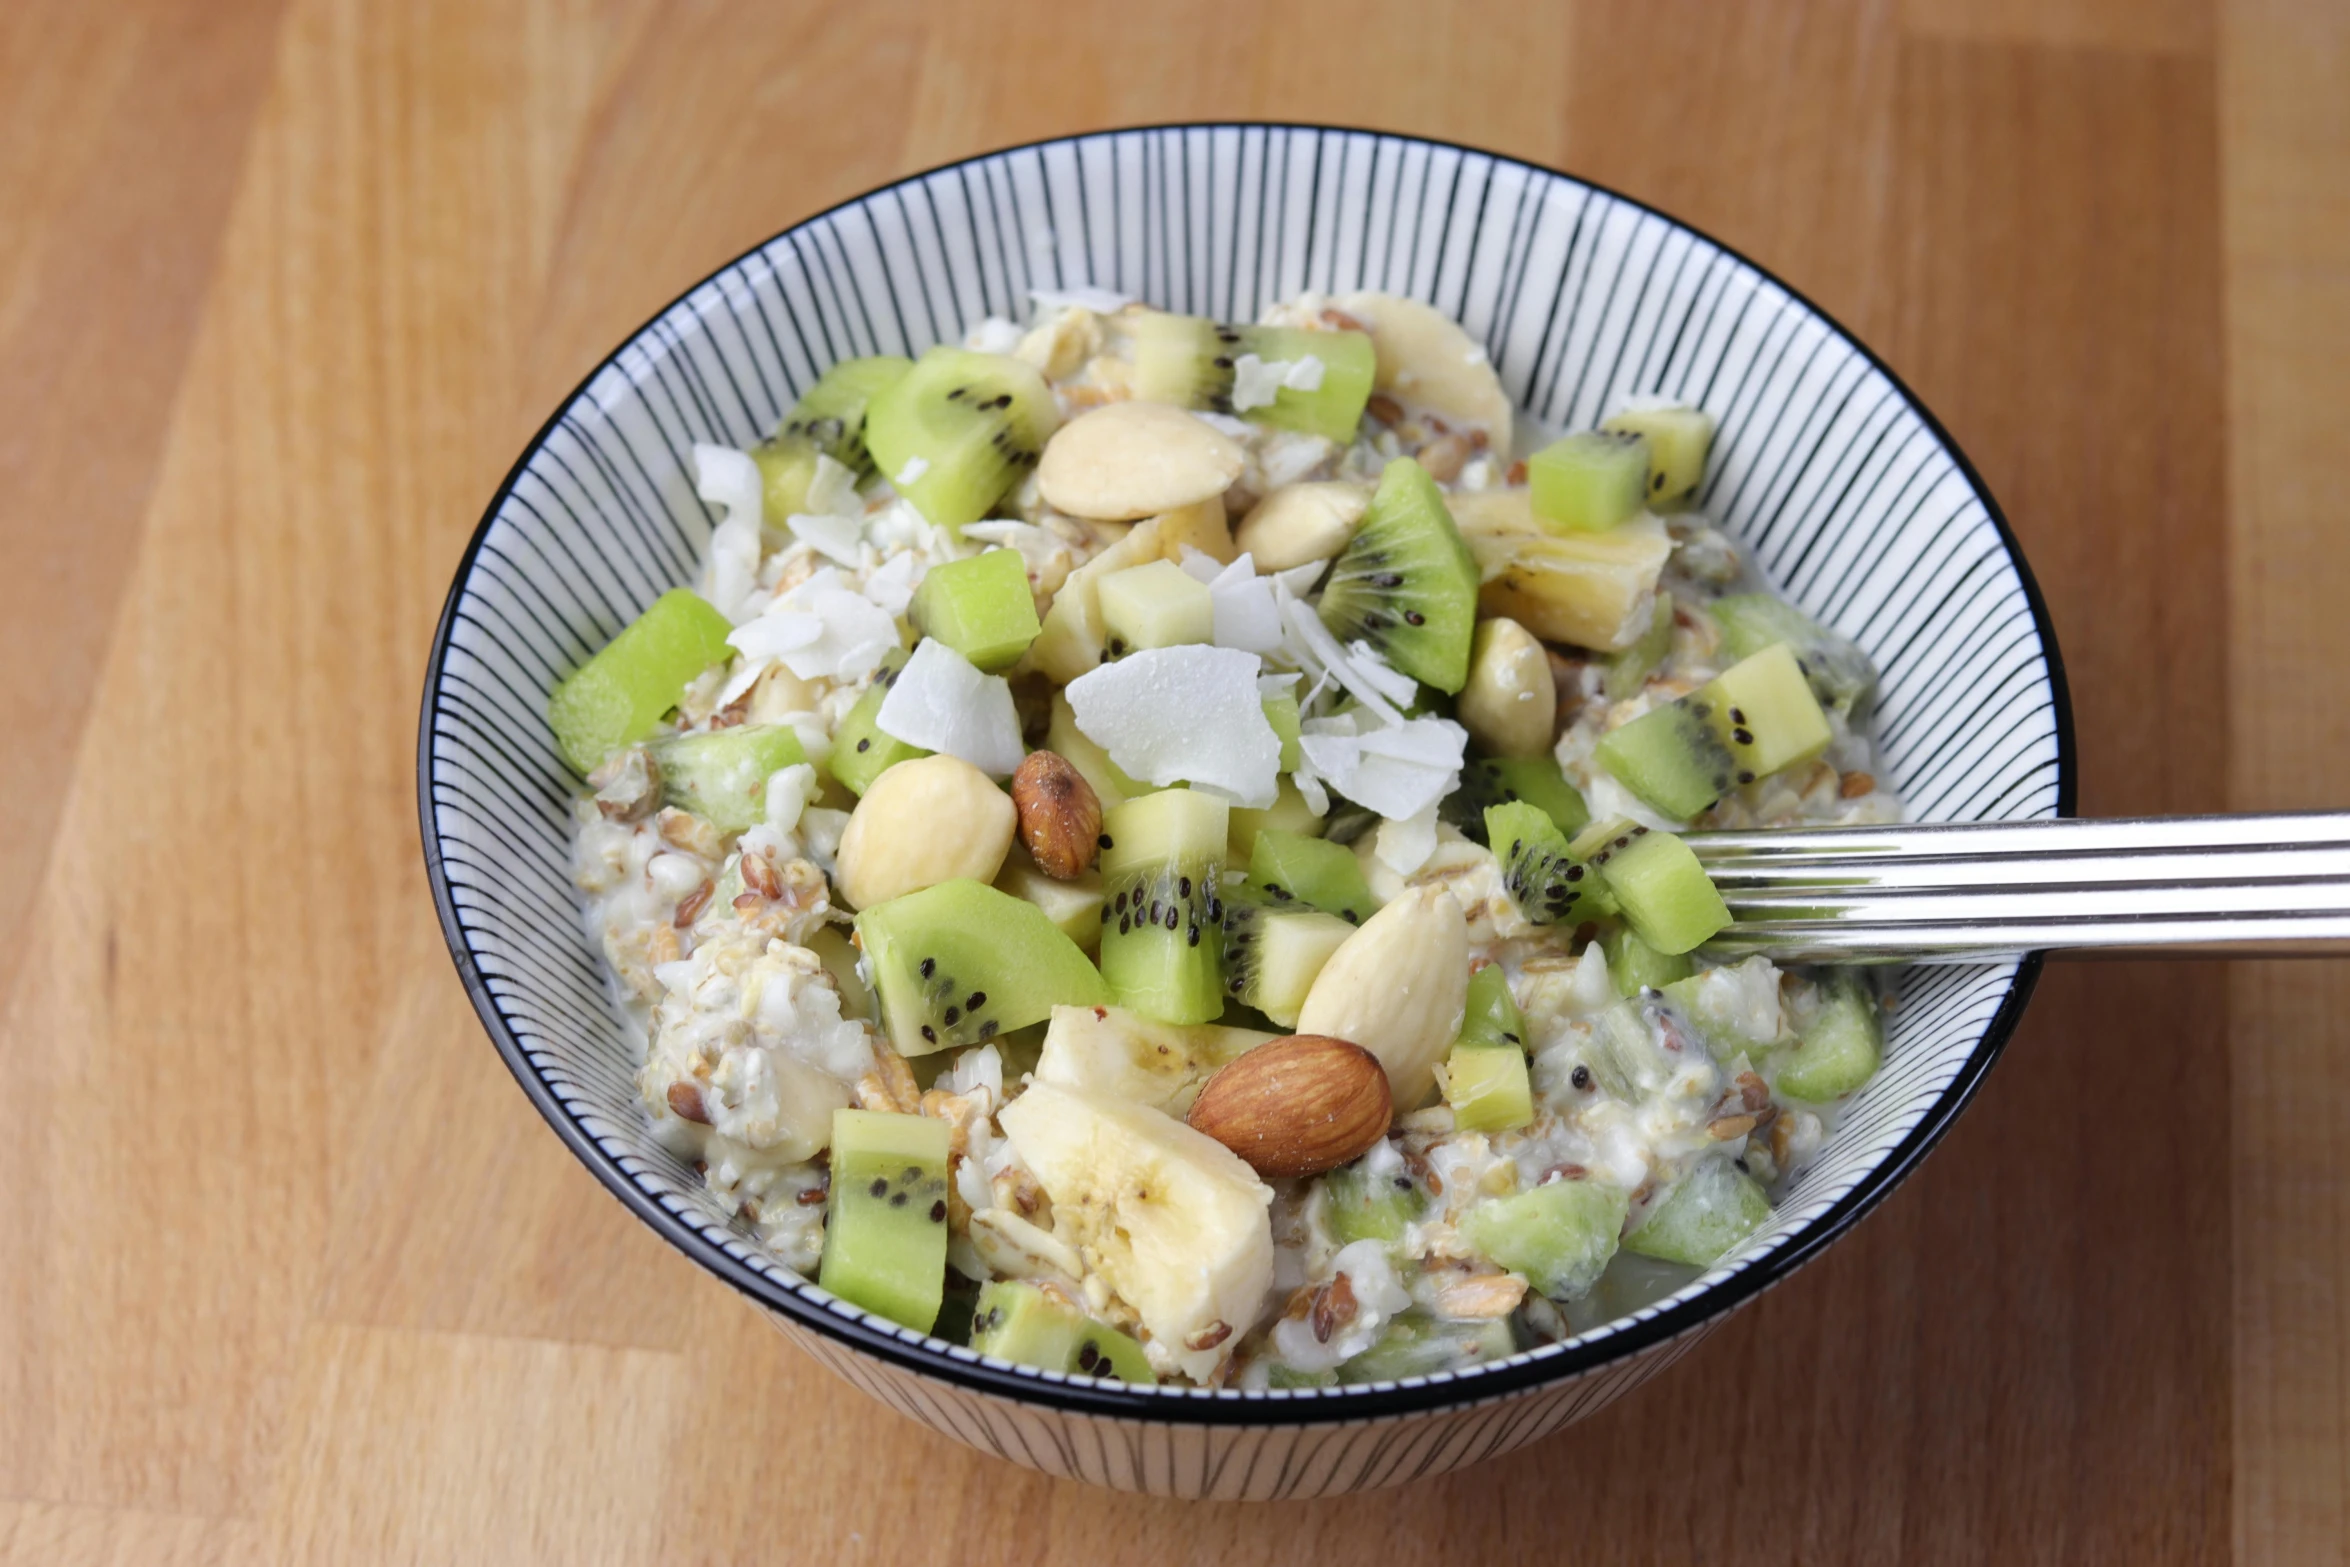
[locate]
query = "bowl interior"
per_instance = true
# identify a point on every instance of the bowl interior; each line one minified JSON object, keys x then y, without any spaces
{"x":1846,"y":492}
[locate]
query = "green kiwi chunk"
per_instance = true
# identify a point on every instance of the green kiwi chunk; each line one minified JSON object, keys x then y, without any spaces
{"x":1162,"y":864}
{"x":832,"y":414}
{"x":1497,"y":780}
{"x":1272,"y":952}
{"x":1560,"y":1235}
{"x":1715,"y":1206}
{"x":721,"y":775}
{"x":1837,"y":1049}
{"x":958,"y":430}
{"x":885,"y":1217}
{"x":1679,"y":439}
{"x":619,"y":696}
{"x":1624,"y":675}
{"x":1633,"y":965}
{"x":1589,"y":482}
{"x":1193,"y":362}
{"x":1157,"y":604}
{"x":1485,"y":1079}
{"x":1539,"y":869}
{"x":1287,"y":867}
{"x":1360,"y":1206}
{"x":1756,"y":718}
{"x":1661,"y":889}
{"x":962,"y":963}
{"x":1416,"y":1344}
{"x":981,"y":606}
{"x":860,"y":751}
{"x":1033,"y":1326}
{"x":1406,"y":583}
{"x":1839,"y":672}
{"x":1491,"y":1019}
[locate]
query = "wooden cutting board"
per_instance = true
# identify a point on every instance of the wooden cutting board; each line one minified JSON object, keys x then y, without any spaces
{"x":290,"y":1271}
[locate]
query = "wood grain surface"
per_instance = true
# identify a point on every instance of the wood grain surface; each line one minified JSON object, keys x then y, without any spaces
{"x":292,"y":1273}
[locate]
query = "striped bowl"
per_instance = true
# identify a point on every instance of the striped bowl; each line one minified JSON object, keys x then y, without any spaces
{"x":1844,"y":489}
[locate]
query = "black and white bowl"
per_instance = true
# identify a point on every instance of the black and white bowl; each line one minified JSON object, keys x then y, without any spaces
{"x":1846,"y":491}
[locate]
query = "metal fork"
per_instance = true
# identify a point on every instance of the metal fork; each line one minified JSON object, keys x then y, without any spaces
{"x":2217,"y":886}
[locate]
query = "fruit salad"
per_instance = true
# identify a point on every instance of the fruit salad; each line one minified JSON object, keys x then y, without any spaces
{"x":1152,"y":848}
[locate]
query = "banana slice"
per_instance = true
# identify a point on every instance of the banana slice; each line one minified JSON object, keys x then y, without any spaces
{"x":1170,"y":1219}
{"x":1426,"y":361}
{"x":1113,"y":1051}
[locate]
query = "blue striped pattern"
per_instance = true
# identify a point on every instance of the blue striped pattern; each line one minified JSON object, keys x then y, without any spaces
{"x":1845,"y":491}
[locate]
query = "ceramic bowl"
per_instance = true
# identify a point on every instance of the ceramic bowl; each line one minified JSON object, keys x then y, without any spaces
{"x":1845,"y":490}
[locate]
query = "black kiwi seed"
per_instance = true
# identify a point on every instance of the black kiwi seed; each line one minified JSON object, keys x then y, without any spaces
{"x":1574,"y":873}
{"x":1624,"y":842}
{"x":954,"y":1016}
{"x":1737,"y":717}
{"x":879,"y":1188}
{"x":1173,"y":919}
{"x":1236,"y":985}
{"x":1156,"y":909}
{"x":913,"y":1172}
{"x":1388,"y":579}
{"x":1215,"y":911}
{"x":865,"y":745}
{"x":987,"y":1029}
{"x":930,"y":1033}
{"x":1118,"y":905}
{"x":938,"y":1211}
{"x":958,"y":394}
{"x":1742,"y":736}
{"x":1222,"y":362}
{"x":1122,"y":924}
{"x":1183,"y":885}
{"x":929,"y":967}
{"x":1104,"y":842}
{"x":897,"y":1199}
{"x":1194,"y":936}
{"x":1413,"y":617}
{"x":978,"y":1000}
{"x":1746,"y":778}
{"x":1582,"y":1077}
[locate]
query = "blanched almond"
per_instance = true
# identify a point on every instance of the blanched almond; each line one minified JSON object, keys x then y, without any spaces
{"x":1510,"y":701}
{"x":1297,"y":1106}
{"x":1298,"y":523}
{"x":1397,"y":987}
{"x":1134,"y":459}
{"x":923,"y":822}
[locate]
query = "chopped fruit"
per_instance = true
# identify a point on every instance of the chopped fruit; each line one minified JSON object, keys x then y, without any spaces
{"x":1162,"y":868}
{"x":1289,"y":867}
{"x":958,"y":430}
{"x":1635,"y":966}
{"x":1492,"y":1021}
{"x":1678,"y":440}
{"x":885,"y":1221}
{"x":1033,"y":1326}
{"x":1628,"y":671}
{"x":1589,"y":483}
{"x":1839,"y":672}
{"x":860,"y":751}
{"x":1756,"y":718}
{"x":1273,"y":953}
{"x":1417,"y":1345}
{"x":961,"y":964}
{"x":1288,"y":813}
{"x":1064,"y":739}
{"x":1661,"y":889}
{"x":1487,"y":781}
{"x":1560,"y":1235}
{"x":619,"y":696}
{"x":1594,"y":590}
{"x":1716,"y":1206}
{"x":1316,"y":382}
{"x":1839,"y":1049}
{"x":1543,"y":876}
{"x":1488,"y":1089}
{"x":722,"y":775}
{"x":981,"y":607}
{"x":1281,"y":713}
{"x":1128,"y":1056}
{"x":1074,"y":907}
{"x":1406,"y":584}
{"x":1359,"y":1206}
{"x":829,"y":419}
{"x":1158,"y":605}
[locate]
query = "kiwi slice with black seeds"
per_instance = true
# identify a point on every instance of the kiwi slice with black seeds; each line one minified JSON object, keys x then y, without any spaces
{"x":1193,"y":362}
{"x":958,"y":430}
{"x":1162,"y":865}
{"x":964,"y":964}
{"x":1497,"y":780}
{"x":1406,"y":583}
{"x":1544,"y":877}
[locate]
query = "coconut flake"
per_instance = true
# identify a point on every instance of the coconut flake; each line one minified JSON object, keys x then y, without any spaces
{"x":1199,"y":565}
{"x":911,"y":473}
{"x":1225,"y":424}
{"x":730,"y":481}
{"x":1312,"y":646}
{"x":1398,"y":770}
{"x":891,"y":584}
{"x":833,"y":490}
{"x":1247,"y":614}
{"x":1392,"y":683}
{"x":1303,"y":374}
{"x":820,"y":630}
{"x":1404,"y":846}
{"x":994,"y":335}
{"x":940,"y":702}
{"x":1183,"y":714}
{"x":1080,"y":296}
{"x":834,"y":537}
{"x":1257,"y":383}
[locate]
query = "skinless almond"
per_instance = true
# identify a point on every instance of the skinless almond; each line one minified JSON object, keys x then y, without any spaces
{"x":1397,"y":987}
{"x":1297,"y":523}
{"x":1297,"y":1106}
{"x":1060,"y":815}
{"x":1135,"y":459}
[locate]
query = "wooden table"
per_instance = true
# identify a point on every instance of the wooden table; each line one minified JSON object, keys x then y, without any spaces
{"x":291,"y":1272}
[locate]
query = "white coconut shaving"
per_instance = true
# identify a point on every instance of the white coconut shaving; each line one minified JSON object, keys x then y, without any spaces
{"x":730,"y":481}
{"x":891,"y":584}
{"x":822,"y":629}
{"x":994,"y":335}
{"x":911,"y":474}
{"x":1398,"y":770}
{"x":1247,"y":612}
{"x":1183,"y":714}
{"x":1406,"y":845}
{"x":1225,"y":424}
{"x":1367,"y":661}
{"x":940,"y":702}
{"x":1079,"y":296}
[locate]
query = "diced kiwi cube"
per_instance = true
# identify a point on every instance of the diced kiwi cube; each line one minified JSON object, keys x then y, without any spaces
{"x":1418,"y":1345}
{"x":1032,"y":1326}
{"x":1715,"y":1206}
{"x":1661,"y":889}
{"x":619,"y":696}
{"x":1158,"y":604}
{"x":1288,"y":813}
{"x":1633,"y":965}
{"x":885,"y":1219}
{"x":1290,"y":867}
{"x":721,"y":775}
{"x":1839,"y":672}
{"x":963,"y":964}
{"x":1497,"y":780}
{"x":1838,"y":1050}
{"x":1758,"y":717}
{"x":980,"y":606}
{"x":1272,"y":953}
{"x":1491,"y":1019}
{"x":831,"y":415}
{"x":1290,"y":1380}
{"x":1488,"y":1088}
{"x":1773,"y":720}
{"x":1560,"y":1235}
{"x":1358,"y":1206}
{"x":1193,"y":362}
{"x":1589,"y":482}
{"x":1162,"y":864}
{"x":860,"y":751}
{"x":1678,"y":440}
{"x":1541,"y":872}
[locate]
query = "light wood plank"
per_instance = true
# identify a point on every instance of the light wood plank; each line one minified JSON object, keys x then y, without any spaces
{"x":114,"y":1537}
{"x":2286,"y":136}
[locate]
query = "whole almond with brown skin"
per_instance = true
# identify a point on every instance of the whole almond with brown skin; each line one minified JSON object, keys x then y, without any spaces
{"x":1297,"y":1106}
{"x":1060,"y":815}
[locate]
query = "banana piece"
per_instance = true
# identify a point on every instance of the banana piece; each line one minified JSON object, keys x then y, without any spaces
{"x":1426,"y":361}
{"x":1110,"y":1050}
{"x":1595,"y":590}
{"x":1398,"y":987}
{"x":1170,"y":1219}
{"x":1298,"y":523}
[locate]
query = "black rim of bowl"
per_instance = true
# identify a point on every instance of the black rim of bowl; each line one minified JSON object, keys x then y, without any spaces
{"x":1188,"y":1407}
